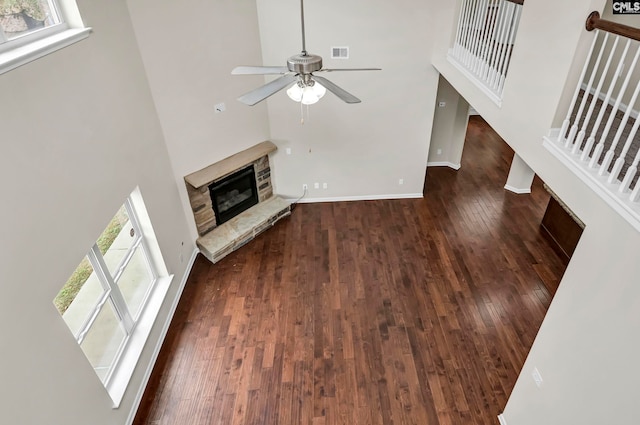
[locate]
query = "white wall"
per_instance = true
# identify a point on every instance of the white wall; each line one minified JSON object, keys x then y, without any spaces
{"x":78,"y":132}
{"x":189,"y":49}
{"x":449,"y":127}
{"x":585,"y":349}
{"x":359,"y":150}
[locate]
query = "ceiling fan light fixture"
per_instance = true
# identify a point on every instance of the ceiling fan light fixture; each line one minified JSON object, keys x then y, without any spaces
{"x":319,"y":89}
{"x":307,"y":94}
{"x":295,"y":92}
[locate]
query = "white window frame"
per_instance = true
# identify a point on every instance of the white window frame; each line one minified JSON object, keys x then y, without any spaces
{"x":39,"y":43}
{"x":112,"y":294}
{"x":136,"y":325}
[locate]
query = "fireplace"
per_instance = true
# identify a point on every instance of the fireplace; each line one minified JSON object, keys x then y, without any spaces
{"x":223,"y":190}
{"x":234,"y":194}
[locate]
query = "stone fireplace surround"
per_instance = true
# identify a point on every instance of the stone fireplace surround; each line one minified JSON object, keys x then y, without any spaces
{"x":217,"y":241}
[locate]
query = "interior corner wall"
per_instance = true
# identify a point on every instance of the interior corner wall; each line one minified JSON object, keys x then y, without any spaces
{"x":449,"y":127}
{"x":189,"y":49}
{"x":360,"y":150}
{"x":79,"y":134}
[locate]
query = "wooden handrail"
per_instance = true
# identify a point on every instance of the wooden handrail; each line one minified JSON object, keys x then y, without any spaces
{"x":595,"y":22}
{"x":520,"y":2}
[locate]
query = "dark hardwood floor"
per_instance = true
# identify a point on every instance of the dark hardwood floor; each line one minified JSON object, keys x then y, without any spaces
{"x":397,"y":312}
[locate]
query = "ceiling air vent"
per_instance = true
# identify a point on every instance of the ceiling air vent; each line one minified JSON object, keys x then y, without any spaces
{"x":339,"y":53}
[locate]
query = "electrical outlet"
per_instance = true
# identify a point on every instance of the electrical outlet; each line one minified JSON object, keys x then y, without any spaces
{"x":442,"y":104}
{"x":220,"y":107}
{"x":439,"y":152}
{"x":305,"y":187}
{"x":316,"y":185}
{"x":324,"y":185}
{"x":401,"y":181}
{"x":288,"y":151}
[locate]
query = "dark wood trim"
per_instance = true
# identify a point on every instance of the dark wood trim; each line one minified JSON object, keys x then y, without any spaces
{"x":595,"y":22}
{"x":520,"y":2}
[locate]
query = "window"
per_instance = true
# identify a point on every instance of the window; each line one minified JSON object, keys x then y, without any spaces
{"x":24,"y":18}
{"x":30,"y":29}
{"x":106,"y":297}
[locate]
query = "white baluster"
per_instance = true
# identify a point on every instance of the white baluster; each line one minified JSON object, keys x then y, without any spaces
{"x":486,"y":55}
{"x":474,"y":35}
{"x":567,"y":120}
{"x":634,"y":193}
{"x":456,"y":45}
{"x":496,"y":42}
{"x":623,"y":89}
{"x":509,"y":37}
{"x":594,"y":72}
{"x":617,"y":167}
{"x":611,"y":152}
{"x":479,"y":36}
{"x":500,"y":47}
{"x":465,"y":30}
{"x":596,"y":94}
{"x":486,"y":50}
{"x":629,"y":176}
{"x":603,"y":109}
{"x":484,"y":41}
{"x":514,"y":28}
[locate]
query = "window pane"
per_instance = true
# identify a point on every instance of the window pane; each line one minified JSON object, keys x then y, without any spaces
{"x":20,"y":17}
{"x":102,"y":342}
{"x":135,"y":282}
{"x":116,"y":240}
{"x":78,"y":298}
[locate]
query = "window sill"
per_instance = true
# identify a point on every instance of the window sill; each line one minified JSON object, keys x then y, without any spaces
{"x":18,"y":56}
{"x":124,"y":371}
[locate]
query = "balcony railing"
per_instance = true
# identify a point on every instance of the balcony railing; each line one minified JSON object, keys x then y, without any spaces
{"x":599,"y":138}
{"x":484,"y":42}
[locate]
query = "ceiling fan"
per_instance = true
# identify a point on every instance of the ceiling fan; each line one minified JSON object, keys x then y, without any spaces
{"x":305,"y":87}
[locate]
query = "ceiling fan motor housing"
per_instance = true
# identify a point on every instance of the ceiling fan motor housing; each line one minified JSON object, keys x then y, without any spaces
{"x":304,"y":63}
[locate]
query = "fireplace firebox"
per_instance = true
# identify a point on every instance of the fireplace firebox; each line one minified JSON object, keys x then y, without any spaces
{"x":234,"y":194}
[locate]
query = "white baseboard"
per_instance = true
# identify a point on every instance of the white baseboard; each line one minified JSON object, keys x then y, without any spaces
{"x":501,"y":419}
{"x":358,"y":198}
{"x":163,"y":334}
{"x":517,"y":190}
{"x":444,"y":164}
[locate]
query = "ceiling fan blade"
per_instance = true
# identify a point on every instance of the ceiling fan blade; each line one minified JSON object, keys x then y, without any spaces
{"x":259,"y":70}
{"x":349,"y":69}
{"x":263,"y":92}
{"x":341,"y":93}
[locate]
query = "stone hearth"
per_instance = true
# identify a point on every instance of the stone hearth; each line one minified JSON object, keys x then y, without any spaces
{"x":218,"y":240}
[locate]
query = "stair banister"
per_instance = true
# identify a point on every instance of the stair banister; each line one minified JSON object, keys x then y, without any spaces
{"x":595,"y":22}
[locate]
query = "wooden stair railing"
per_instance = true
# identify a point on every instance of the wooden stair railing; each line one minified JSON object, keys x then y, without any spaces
{"x":595,"y":22}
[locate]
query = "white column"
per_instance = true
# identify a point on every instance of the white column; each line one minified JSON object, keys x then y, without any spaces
{"x":520,"y":176}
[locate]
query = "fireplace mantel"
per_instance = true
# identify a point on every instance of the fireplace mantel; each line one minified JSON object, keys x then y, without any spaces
{"x":216,"y":240}
{"x":229,"y":164}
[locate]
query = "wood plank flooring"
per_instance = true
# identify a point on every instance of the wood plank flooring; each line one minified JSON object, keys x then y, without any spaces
{"x":381,"y":312}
